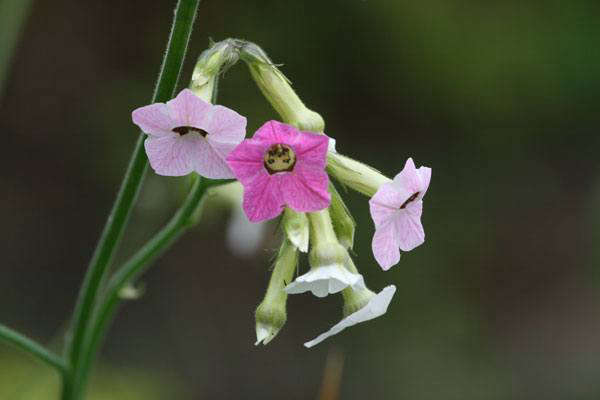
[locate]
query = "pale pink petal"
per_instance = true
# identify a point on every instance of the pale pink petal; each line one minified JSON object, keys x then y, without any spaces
{"x":224,"y":125}
{"x":247,"y":160}
{"x":425,"y":175}
{"x":385,"y":245}
{"x":409,"y":228}
{"x":154,"y":120}
{"x":312,"y":149}
{"x":408,"y":179}
{"x":305,"y":189}
{"x":262,"y":199}
{"x":187,"y":109}
{"x":172,"y":155}
{"x":386,"y":202}
{"x":210,"y":163}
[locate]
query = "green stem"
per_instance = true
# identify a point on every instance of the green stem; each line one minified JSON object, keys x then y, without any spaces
{"x":13,"y":15}
{"x":136,"y":266}
{"x":28,"y":345}
{"x":133,"y":268}
{"x":185,"y":14}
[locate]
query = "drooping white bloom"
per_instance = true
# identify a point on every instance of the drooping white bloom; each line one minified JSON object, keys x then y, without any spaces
{"x":328,"y":273}
{"x":324,"y":280}
{"x":375,"y":307}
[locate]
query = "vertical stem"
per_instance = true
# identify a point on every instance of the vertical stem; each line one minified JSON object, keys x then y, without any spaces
{"x":13,"y":14}
{"x":136,"y":265}
{"x":185,"y":14}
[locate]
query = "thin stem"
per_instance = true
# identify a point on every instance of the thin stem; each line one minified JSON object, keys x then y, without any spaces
{"x":13,"y":15}
{"x":137,"y":265}
{"x":185,"y":14}
{"x":33,"y":348}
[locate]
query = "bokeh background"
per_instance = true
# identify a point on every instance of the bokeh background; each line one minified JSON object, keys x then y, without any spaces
{"x":500,"y":98}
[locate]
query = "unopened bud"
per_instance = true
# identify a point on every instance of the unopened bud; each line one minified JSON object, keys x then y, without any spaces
{"x":271,"y":313}
{"x":212,"y":62}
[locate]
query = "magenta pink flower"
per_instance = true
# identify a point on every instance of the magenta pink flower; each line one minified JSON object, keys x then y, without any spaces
{"x":281,"y":166}
{"x":396,"y":210}
{"x":188,"y":134}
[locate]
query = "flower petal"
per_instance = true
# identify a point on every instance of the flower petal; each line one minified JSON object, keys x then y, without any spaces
{"x":311,"y":149}
{"x":409,"y":228}
{"x":247,"y":160}
{"x":325,"y":280}
{"x":154,"y":120}
{"x":172,"y":155}
{"x":277,"y":132}
{"x":262,"y":199}
{"x":209,"y":162}
{"x":425,"y":175}
{"x":385,"y":203}
{"x":386,"y":248}
{"x":224,"y":125}
{"x":306,"y":189}
{"x":376,"y":307}
{"x":187,"y":109}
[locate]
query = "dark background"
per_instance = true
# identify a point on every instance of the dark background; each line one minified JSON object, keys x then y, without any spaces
{"x":499,"y":98}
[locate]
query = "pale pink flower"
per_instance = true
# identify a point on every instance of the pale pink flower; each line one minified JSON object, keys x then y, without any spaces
{"x":188,"y":134}
{"x":281,"y":166}
{"x":396,"y":210}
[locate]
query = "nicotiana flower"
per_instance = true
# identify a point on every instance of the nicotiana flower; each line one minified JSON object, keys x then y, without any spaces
{"x":281,"y":166}
{"x":331,"y":268}
{"x":188,"y":134}
{"x":361,"y":306}
{"x":396,"y":210}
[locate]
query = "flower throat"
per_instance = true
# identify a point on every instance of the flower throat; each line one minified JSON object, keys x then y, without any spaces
{"x":280,"y":158}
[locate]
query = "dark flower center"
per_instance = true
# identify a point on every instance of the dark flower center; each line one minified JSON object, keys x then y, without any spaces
{"x":184,"y":130}
{"x":409,"y":200}
{"x":280,"y":158}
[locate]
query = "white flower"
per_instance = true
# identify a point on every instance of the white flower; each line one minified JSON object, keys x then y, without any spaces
{"x":265,"y":333}
{"x":326,"y":279}
{"x":376,"y":307}
{"x":244,"y":237}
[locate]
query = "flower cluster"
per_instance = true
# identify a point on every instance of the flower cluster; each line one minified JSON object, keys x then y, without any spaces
{"x":285,"y":171}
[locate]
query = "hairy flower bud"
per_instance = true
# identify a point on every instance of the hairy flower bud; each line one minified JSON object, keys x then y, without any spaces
{"x":271,"y":313}
{"x":213,"y":61}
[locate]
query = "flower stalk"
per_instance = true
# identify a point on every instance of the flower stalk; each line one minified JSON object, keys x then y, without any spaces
{"x":185,"y":15}
{"x":278,"y":91}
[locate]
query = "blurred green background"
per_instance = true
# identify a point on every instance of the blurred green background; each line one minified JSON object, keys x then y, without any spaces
{"x":499,"y":98}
